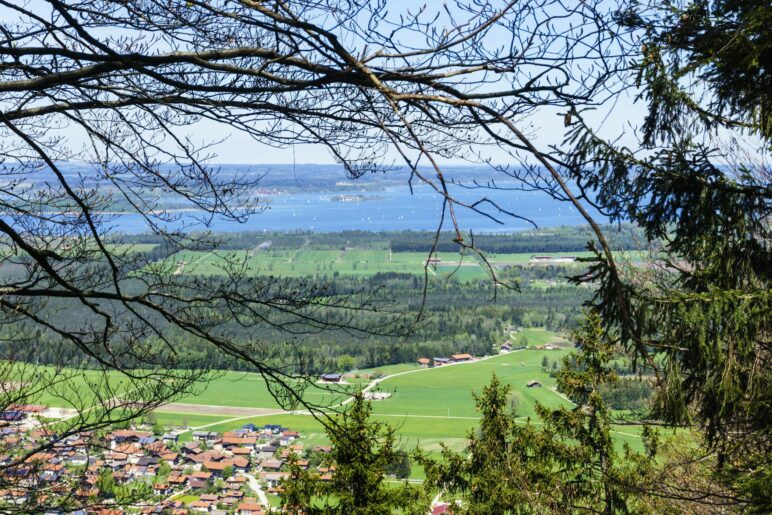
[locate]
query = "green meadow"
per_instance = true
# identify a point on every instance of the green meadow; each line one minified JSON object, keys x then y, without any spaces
{"x":304,"y":262}
{"x":251,"y":390}
{"x":172,"y":419}
{"x":351,"y":262}
{"x":67,"y":388}
{"x":427,"y":406}
{"x":538,"y":336}
{"x":447,"y":391}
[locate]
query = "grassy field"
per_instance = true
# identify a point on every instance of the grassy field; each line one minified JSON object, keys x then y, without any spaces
{"x":129,"y":248}
{"x":67,"y":388}
{"x":435,"y":406}
{"x":235,"y":389}
{"x":305,"y":262}
{"x":386,"y":369}
{"x":352,"y":262}
{"x":447,"y":391}
{"x":226,"y":389}
{"x":171,"y":419}
{"x":251,"y":390}
{"x":427,"y":406}
{"x":538,"y":336}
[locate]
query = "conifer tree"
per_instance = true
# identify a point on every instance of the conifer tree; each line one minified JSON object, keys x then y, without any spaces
{"x":362,"y":451}
{"x":565,"y":463}
{"x":699,"y":186}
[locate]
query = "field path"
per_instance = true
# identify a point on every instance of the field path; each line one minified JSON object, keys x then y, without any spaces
{"x":297,"y":251}
{"x":255,"y":486}
{"x":209,"y":409}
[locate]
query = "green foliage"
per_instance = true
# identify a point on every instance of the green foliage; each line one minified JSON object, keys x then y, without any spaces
{"x":164,"y":469}
{"x":489,"y":479}
{"x":458,"y":317}
{"x":544,"y":240}
{"x":702,"y":322}
{"x":726,"y":44}
{"x":400,"y":467}
{"x":569,"y":464}
{"x":106,"y":483}
{"x":363,"y":451}
{"x":629,"y":393}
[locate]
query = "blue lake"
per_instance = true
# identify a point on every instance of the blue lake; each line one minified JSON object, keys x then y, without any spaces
{"x":394,"y":208}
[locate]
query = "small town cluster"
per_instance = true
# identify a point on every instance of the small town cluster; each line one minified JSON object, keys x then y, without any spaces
{"x":235,"y":472}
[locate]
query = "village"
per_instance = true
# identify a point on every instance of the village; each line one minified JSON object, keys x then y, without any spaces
{"x":232,"y":472}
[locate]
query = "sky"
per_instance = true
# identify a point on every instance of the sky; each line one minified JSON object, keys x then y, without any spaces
{"x":545,"y":126}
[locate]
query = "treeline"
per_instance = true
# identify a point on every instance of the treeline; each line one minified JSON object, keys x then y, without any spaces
{"x":291,"y":240}
{"x":458,"y":317}
{"x":559,"y":239}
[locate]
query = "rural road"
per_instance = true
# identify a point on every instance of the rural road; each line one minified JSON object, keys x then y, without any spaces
{"x":255,"y":486}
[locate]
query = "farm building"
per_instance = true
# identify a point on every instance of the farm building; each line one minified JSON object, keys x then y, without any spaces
{"x":460,"y":358}
{"x":424,"y":362}
{"x":533,"y":384}
{"x":170,"y":437}
{"x":250,"y":508}
{"x":438,"y":362}
{"x":331,"y":378}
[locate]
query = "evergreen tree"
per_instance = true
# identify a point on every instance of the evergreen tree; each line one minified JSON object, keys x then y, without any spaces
{"x":400,"y":467}
{"x":569,"y":464}
{"x":362,"y":452}
{"x":700,"y":185}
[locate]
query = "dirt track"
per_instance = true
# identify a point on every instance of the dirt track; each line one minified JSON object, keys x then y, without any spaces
{"x":205,"y":409}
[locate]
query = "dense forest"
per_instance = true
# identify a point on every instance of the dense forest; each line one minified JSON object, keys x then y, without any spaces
{"x":458,"y":317}
{"x":455,"y":315}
